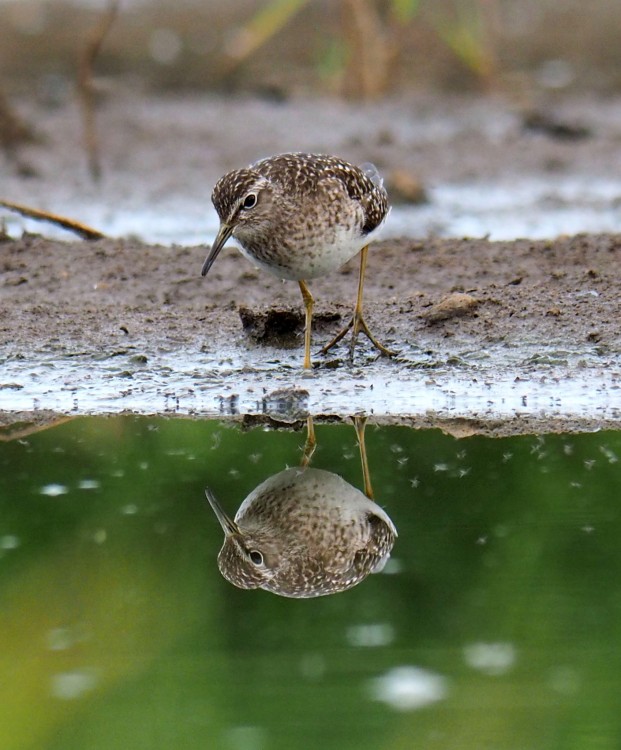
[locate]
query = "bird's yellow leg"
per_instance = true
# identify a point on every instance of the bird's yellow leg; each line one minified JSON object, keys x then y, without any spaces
{"x":308,"y":306}
{"x":360,"y":424}
{"x":357,"y":322}
{"x":311,"y":442}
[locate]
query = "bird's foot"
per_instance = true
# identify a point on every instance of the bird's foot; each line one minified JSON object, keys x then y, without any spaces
{"x":357,"y":324}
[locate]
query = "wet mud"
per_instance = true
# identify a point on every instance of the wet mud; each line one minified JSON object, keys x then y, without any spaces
{"x":439,"y":296}
{"x":493,"y":337}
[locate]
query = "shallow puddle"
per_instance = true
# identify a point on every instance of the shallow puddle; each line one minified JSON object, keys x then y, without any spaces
{"x":484,"y":386}
{"x":501,"y":210}
{"x":495,"y":623}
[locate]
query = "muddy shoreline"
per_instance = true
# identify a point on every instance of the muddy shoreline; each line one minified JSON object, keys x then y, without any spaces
{"x":68,"y":297}
{"x":493,"y":336}
{"x":120,"y":311}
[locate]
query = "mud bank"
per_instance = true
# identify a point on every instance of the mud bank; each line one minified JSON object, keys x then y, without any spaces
{"x":494,"y":337}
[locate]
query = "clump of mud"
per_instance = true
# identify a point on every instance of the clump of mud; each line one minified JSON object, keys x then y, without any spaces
{"x":281,"y":326}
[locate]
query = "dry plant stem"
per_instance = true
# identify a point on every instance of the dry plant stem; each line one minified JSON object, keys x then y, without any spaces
{"x":367,"y":71}
{"x":357,"y":321}
{"x":16,"y":432}
{"x":308,"y":307}
{"x":472,"y":37}
{"x":360,"y":424}
{"x":86,"y":89}
{"x":311,"y":442}
{"x":87,"y":233}
{"x":13,"y":130}
{"x":490,"y":13}
{"x":264,"y":25}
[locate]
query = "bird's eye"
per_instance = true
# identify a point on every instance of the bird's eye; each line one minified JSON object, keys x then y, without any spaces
{"x":250,"y":201}
{"x":256,"y":557}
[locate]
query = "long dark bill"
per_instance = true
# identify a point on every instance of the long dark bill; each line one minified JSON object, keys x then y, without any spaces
{"x":228,"y":524}
{"x":224,"y":233}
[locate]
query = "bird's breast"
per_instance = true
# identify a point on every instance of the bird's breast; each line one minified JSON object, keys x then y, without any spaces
{"x":304,"y":254}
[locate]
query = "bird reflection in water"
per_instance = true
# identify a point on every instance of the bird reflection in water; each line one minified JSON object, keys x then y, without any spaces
{"x":305,"y":532}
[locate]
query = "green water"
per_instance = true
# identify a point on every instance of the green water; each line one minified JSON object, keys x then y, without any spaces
{"x":501,"y":604}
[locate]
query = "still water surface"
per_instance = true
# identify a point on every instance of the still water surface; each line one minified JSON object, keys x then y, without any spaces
{"x":495,"y":624}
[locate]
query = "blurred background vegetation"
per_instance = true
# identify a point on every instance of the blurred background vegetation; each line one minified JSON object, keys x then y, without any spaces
{"x":355,"y":48}
{"x":53,"y":52}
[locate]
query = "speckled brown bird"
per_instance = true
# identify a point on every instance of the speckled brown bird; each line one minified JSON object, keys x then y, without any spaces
{"x":300,"y":216}
{"x":303,"y":533}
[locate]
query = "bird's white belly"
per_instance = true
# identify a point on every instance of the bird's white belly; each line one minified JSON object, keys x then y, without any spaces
{"x":312,"y":258}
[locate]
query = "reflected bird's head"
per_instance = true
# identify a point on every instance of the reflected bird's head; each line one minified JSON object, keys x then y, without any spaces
{"x":246,"y":559}
{"x":303,"y":533}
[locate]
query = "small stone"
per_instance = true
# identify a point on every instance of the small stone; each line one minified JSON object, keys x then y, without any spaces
{"x":452,"y":306}
{"x":405,"y":187}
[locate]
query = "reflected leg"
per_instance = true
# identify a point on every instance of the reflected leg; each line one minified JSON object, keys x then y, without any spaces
{"x":360,"y":424}
{"x":311,"y":442}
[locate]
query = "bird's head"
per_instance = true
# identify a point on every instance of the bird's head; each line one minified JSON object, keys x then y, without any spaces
{"x":243,"y":200}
